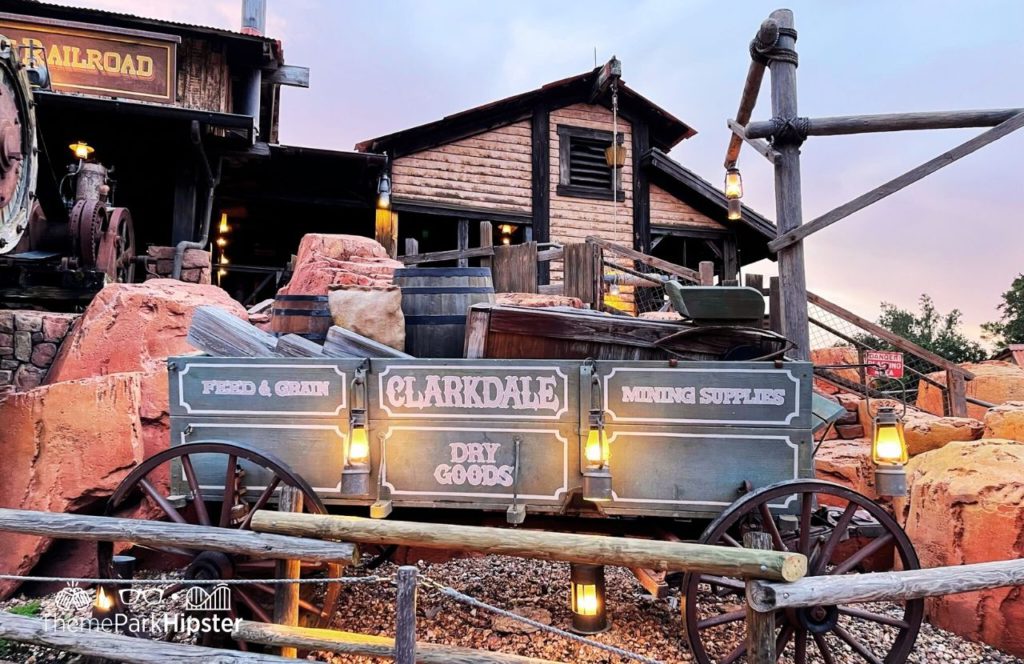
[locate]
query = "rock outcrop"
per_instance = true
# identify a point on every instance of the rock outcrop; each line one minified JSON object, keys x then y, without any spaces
{"x":967,"y":506}
{"x":65,"y":447}
{"x":338,"y":260}
{"x":539,"y":300}
{"x":995,"y":382}
{"x":837,"y":355}
{"x":1006,"y":421}
{"x":847,"y":462}
{"x":372,"y":311}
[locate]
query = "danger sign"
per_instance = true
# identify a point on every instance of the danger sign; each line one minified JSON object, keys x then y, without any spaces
{"x":883,"y":364}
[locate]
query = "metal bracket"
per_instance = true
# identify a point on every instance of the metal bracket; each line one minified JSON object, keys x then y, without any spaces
{"x":516,"y":512}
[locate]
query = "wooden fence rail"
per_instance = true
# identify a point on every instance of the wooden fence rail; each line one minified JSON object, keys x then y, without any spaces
{"x":543,"y":545}
{"x":885,"y":586}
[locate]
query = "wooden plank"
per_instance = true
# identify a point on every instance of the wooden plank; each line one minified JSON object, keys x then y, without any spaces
{"x":567,"y":547}
{"x":463,"y":241}
{"x":583,"y":272}
{"x":755,"y":281}
{"x":863,"y":124}
{"x":96,"y":643}
{"x":653,"y":582}
{"x":554,"y":254}
{"x":788,"y":203}
{"x":160,"y":533}
{"x":792,"y":236}
{"x":286,"y":595}
{"x":218,"y":333}
{"x":730,"y":259}
{"x":540,"y":200}
{"x":664,"y":266}
{"x":477,"y":322}
{"x":774,"y":306}
{"x":515,"y":268}
{"x":405,"y":615}
{"x":887,"y":586}
{"x":292,"y":75}
{"x":292,"y":345}
{"x":641,"y":190}
{"x":957,"y":393}
{"x":739,"y":135}
{"x":454,"y":254}
{"x":486,"y":240}
{"x":887,"y":336}
{"x":707,"y":273}
{"x":352,"y":643}
{"x":341,"y":342}
{"x":412,"y":247}
{"x":760,"y":626}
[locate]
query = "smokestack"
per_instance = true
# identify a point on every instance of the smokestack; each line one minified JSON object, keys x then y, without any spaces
{"x":254,"y":17}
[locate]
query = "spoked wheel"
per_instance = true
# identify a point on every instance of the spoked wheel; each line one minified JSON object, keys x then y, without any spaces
{"x":250,"y":478}
{"x":880,"y":632}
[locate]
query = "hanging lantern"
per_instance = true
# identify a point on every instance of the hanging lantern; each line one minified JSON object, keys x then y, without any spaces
{"x":735,"y":209}
{"x":615,"y":155}
{"x":506,"y":231}
{"x":889,"y":452}
{"x":597,"y":479}
{"x":355,"y":475}
{"x":587,"y":599}
{"x":81,"y":149}
{"x":384,"y":191}
{"x":733,"y":184}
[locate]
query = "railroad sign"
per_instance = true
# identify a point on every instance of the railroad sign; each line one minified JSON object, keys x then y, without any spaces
{"x":883,"y":364}
{"x":87,"y":59}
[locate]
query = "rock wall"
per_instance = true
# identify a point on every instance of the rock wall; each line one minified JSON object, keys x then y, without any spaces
{"x":29,"y":341}
{"x":995,"y":382}
{"x":195,"y":265}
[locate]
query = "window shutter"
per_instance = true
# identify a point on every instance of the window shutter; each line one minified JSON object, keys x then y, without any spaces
{"x":587,"y":166}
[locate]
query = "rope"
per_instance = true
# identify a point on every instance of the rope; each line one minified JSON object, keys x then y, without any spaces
{"x":190,"y":582}
{"x":472,"y":601}
{"x":789,"y":131}
{"x":767,"y":50}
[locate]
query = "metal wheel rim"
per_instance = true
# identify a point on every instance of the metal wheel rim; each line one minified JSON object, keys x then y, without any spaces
{"x":913,"y":614}
{"x":317,"y":614}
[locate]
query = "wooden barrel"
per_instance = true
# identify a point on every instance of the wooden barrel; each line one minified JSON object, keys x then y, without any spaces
{"x":306,"y":315}
{"x":435,"y":301}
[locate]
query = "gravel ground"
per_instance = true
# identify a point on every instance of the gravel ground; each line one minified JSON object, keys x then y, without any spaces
{"x":639,"y":623}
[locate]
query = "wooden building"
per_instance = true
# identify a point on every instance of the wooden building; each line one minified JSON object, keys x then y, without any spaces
{"x":534,"y":164}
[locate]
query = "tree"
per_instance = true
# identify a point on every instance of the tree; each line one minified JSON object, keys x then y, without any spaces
{"x":1009,"y":329}
{"x":937,"y":332}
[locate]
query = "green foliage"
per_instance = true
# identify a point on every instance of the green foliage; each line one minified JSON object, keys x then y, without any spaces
{"x":932,"y":330}
{"x":31,"y":608}
{"x":1009,"y":329}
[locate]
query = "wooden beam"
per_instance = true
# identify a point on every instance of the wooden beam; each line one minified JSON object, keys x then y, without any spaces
{"x":386,"y":231}
{"x":957,"y":392}
{"x":367,"y":645}
{"x":462,"y":241}
{"x":118,"y":648}
{"x":641,"y":140}
{"x":887,"y":336}
{"x":886,"y":586}
{"x":610,"y":72}
{"x":760,"y":626}
{"x":450,"y":255}
{"x":730,"y":259}
{"x":567,"y":547}
{"x":866,"y":124}
{"x":748,"y":98}
{"x":759,"y":144}
{"x":540,"y":183}
{"x":405,"y":615}
{"x":673,"y":269}
{"x":707,"y":273}
{"x":892,"y":186}
{"x":486,"y":240}
{"x":291,"y":75}
{"x":286,"y":595}
{"x":341,"y":342}
{"x":788,"y":202}
{"x":218,"y":333}
{"x":160,"y":533}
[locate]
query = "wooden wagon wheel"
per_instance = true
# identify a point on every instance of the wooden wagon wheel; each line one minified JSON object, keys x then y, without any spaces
{"x":714,"y":607}
{"x":255,"y":601}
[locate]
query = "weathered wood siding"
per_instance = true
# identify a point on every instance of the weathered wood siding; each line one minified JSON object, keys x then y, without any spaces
{"x":667,"y":210}
{"x":489,"y":170}
{"x":204,"y":80}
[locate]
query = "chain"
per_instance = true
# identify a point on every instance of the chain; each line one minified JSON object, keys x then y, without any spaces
{"x":472,"y":601}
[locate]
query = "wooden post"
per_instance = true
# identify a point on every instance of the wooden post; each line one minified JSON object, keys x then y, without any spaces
{"x":957,"y":390}
{"x":707,"y":273}
{"x":514,"y":268}
{"x":486,"y":240}
{"x":775,"y":306}
{"x":584,"y":272}
{"x":386,"y":231}
{"x":788,"y":205}
{"x":463,"y":241}
{"x":286,"y":595}
{"x":730,"y":259}
{"x":542,"y":545}
{"x":760,"y":626}
{"x":412,"y":247}
{"x":405,"y":616}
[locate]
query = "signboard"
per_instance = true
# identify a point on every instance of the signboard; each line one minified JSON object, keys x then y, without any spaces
{"x":714,"y":393}
{"x":883,"y":364}
{"x":259,"y":387}
{"x":535,"y":391}
{"x":86,"y":59}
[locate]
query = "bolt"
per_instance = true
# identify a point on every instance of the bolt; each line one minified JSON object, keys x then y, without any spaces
{"x":3,"y":243}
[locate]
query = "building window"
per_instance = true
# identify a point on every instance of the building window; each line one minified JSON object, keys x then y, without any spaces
{"x":582,"y":169}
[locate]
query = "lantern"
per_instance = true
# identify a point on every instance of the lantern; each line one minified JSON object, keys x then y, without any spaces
{"x":735,"y":209}
{"x":597,"y":479}
{"x":587,"y":599}
{"x":384,"y":192}
{"x":733,"y":184}
{"x":889,"y":452}
{"x":506,"y":231}
{"x":223,"y":227}
{"x":81,"y":149}
{"x":355,"y":475}
{"x":105,"y":603}
{"x":615,"y":155}
{"x":596,"y":451}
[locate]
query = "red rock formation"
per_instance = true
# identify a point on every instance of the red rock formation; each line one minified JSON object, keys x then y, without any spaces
{"x":847,"y":462}
{"x":339,"y":260}
{"x":835,"y":356}
{"x":1006,"y":421}
{"x":65,"y":446}
{"x":995,"y":382}
{"x":967,"y":506}
{"x":539,"y":300}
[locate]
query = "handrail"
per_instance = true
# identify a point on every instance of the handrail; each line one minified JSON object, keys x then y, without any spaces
{"x":664,"y":266}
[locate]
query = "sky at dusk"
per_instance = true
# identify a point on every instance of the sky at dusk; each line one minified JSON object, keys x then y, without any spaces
{"x":958,"y":235}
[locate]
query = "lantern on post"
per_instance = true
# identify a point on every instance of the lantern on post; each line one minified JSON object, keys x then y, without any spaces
{"x":889,"y":453}
{"x":355,"y":475}
{"x":734,"y":192}
{"x":597,"y":478}
{"x":587,"y":599}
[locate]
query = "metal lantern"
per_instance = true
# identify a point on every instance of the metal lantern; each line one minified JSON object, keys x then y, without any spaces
{"x":384,"y":191}
{"x":735,"y":209}
{"x":733,"y":184}
{"x":355,"y":475}
{"x":889,"y":452}
{"x":587,"y":600}
{"x":597,"y":479}
{"x":81,"y":149}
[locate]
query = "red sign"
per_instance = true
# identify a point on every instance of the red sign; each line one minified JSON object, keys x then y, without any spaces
{"x":883,"y":364}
